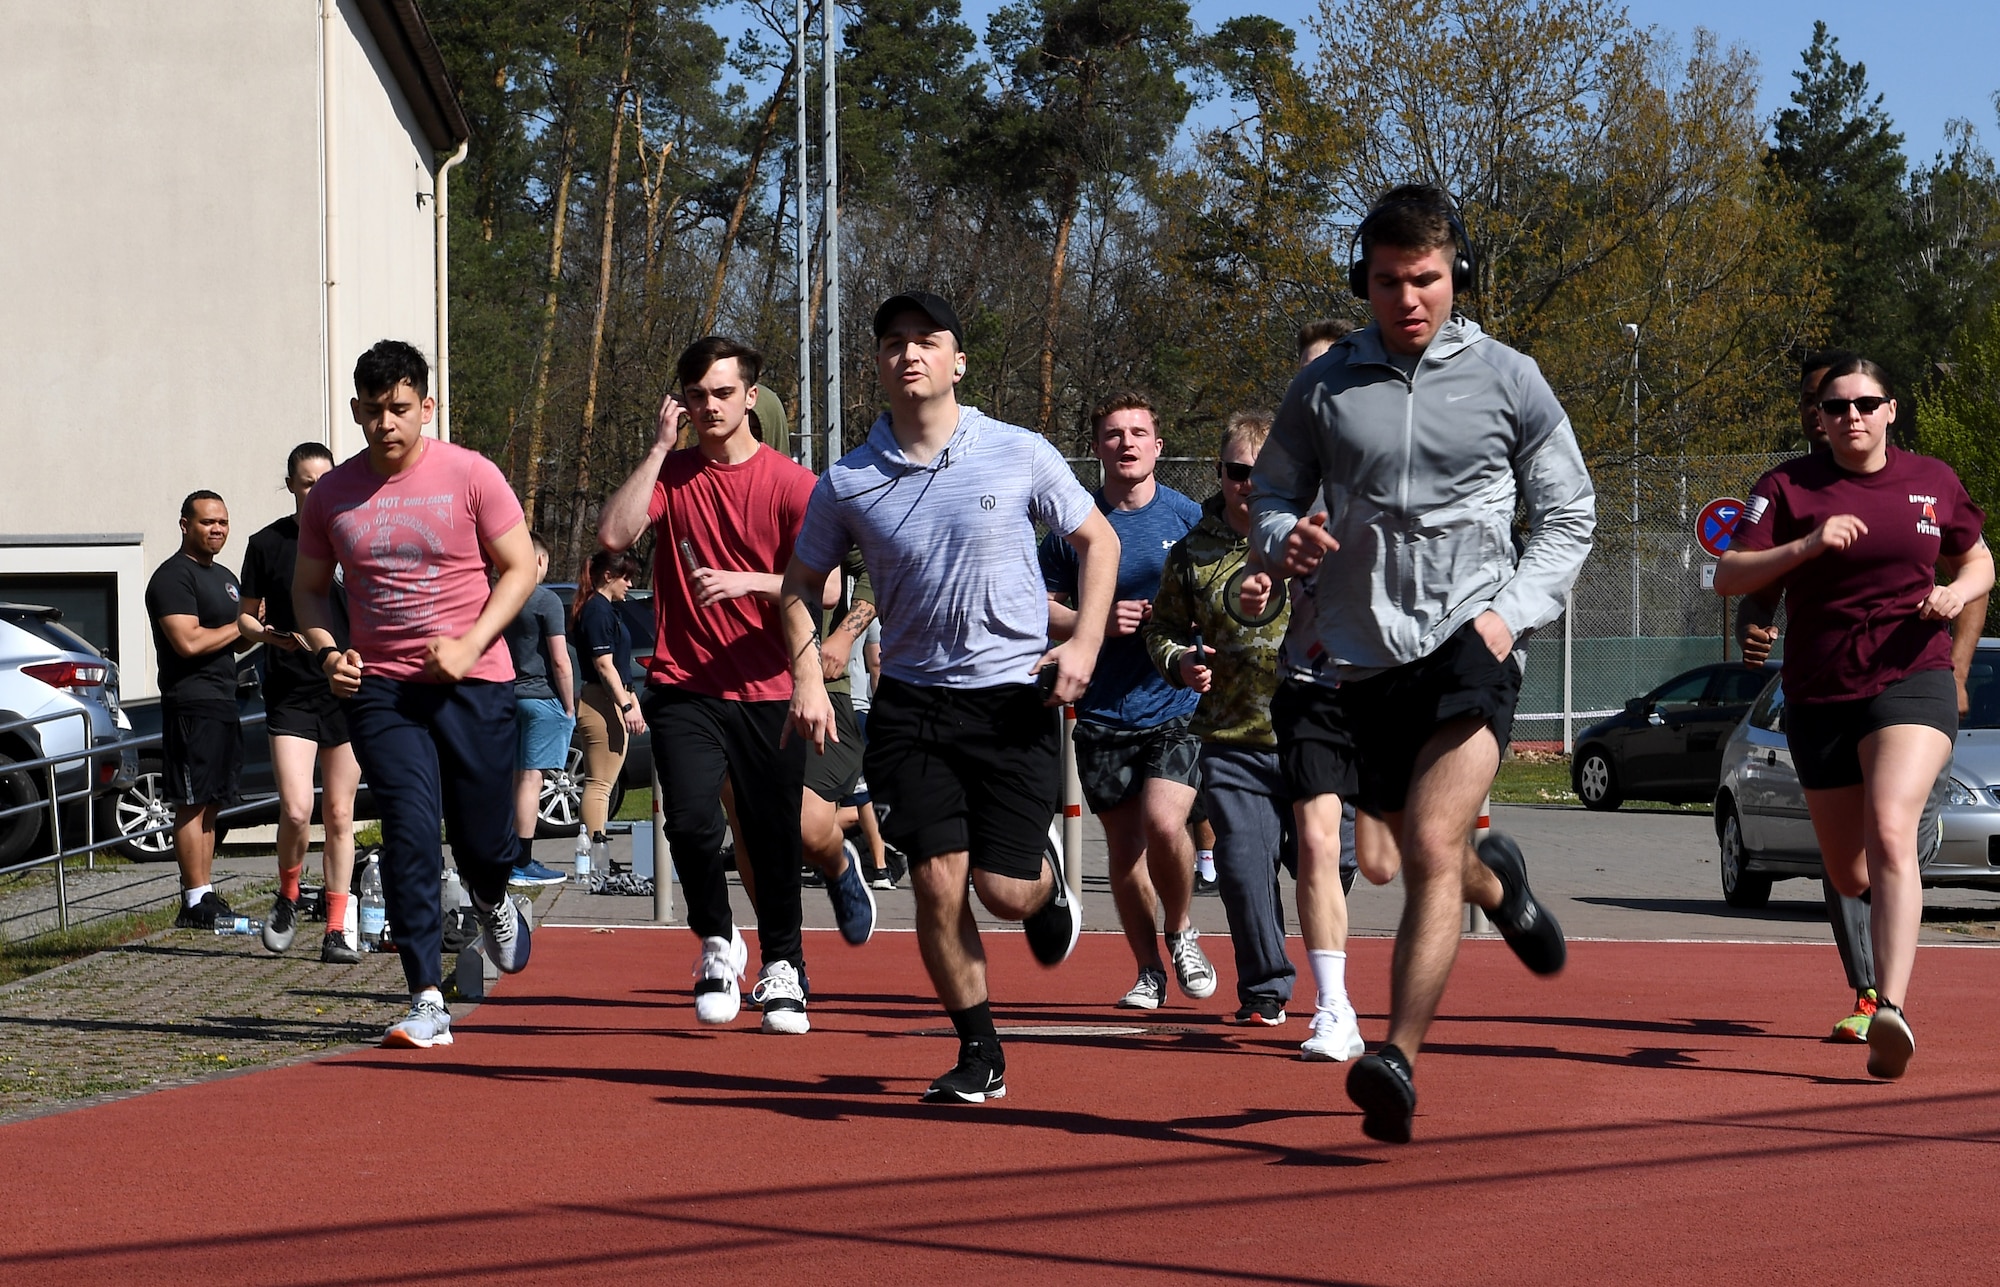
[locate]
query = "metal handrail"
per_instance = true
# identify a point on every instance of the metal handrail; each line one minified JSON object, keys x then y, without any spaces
{"x":91,"y":791}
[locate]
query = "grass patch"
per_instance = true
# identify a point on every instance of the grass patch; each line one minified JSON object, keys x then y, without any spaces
{"x":1537,"y":777}
{"x":60,"y":947}
{"x":637,"y":807}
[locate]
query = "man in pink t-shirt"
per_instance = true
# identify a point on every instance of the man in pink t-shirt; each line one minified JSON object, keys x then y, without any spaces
{"x":724,"y":514}
{"x":412,"y":523}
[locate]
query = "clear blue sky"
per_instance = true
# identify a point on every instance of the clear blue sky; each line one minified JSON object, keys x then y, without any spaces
{"x":1931,"y":59}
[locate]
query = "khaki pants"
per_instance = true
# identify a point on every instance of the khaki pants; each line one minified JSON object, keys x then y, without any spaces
{"x":602,"y":727}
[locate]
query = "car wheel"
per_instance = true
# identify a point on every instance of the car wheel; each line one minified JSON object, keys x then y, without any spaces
{"x":560,"y":808}
{"x":1740,"y":888}
{"x":18,"y":831}
{"x":140,"y":808}
{"x":1596,"y":780}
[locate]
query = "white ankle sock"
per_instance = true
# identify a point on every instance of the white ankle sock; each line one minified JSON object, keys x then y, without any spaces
{"x":193,"y":896}
{"x":1204,"y":862}
{"x":1330,"y":977}
{"x":432,"y":995}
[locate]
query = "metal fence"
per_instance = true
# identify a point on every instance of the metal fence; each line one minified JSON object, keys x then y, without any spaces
{"x":1639,"y":612}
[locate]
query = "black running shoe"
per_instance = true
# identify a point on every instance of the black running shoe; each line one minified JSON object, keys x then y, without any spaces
{"x":1206,"y":887}
{"x":1381,"y":1088}
{"x":204,"y":914}
{"x":1521,"y":919}
{"x":1052,"y":931}
{"x":1261,"y":1012}
{"x":979,"y":1076}
{"x":333,"y":950}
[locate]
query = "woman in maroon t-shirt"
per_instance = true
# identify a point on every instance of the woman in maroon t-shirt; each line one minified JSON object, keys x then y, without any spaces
{"x":1857,"y":535}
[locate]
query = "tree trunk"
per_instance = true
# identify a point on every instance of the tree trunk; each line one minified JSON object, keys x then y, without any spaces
{"x":713,"y":303}
{"x":1058,"y":266}
{"x":528,"y":473}
{"x":578,"y":506}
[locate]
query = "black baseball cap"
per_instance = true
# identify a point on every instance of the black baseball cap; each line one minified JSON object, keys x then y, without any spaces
{"x":919,"y":301}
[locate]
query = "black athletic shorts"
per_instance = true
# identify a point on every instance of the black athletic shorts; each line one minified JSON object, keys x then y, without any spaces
{"x":832,"y":776}
{"x":1826,"y":736}
{"x":1361,"y":740}
{"x":201,"y":749}
{"x":308,"y":710}
{"x":1113,"y":763}
{"x":977,"y":769}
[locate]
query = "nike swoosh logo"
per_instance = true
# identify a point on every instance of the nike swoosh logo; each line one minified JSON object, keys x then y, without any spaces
{"x":1456,"y":397}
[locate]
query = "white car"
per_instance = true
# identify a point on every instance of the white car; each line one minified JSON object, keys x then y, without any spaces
{"x":1760,"y":810}
{"x":47,"y":669}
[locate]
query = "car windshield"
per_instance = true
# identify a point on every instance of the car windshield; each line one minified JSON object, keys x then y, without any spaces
{"x":1982,"y":688}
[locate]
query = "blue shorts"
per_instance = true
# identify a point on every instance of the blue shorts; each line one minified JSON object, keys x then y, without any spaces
{"x":541,"y":733}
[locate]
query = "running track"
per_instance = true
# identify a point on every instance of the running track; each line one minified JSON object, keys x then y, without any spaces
{"x":1661,"y":1113}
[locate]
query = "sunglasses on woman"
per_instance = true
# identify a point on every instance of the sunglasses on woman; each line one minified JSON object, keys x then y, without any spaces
{"x":1236,"y":471}
{"x":1838,"y":406}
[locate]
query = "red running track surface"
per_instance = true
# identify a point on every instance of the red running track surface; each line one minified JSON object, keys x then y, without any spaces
{"x":1660,"y":1113}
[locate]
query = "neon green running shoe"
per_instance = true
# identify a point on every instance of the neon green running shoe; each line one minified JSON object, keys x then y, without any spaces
{"x":1854,"y":1028}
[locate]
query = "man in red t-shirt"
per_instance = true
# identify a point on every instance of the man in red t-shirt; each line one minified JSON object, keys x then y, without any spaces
{"x":724,"y":514}
{"x":427,"y":681}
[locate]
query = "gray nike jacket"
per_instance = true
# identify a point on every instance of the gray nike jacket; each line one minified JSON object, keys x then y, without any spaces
{"x":1420,"y":475}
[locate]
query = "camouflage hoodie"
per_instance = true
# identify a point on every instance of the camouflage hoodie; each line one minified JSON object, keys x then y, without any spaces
{"x":1198,"y":593}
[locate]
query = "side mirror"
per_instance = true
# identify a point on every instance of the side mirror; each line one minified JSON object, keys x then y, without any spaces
{"x":1654,"y":718}
{"x":1635,"y":706}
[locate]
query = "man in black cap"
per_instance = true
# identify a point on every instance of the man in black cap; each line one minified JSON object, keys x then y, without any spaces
{"x":962,"y":746}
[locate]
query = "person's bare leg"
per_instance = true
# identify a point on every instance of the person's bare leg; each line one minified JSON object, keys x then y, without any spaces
{"x":1009,"y":897}
{"x":1898,"y":766}
{"x":820,"y":835}
{"x":527,"y":801}
{"x":1322,"y":904}
{"x":872,"y":831}
{"x":292,"y":762}
{"x":1452,"y":775}
{"x":339,"y":779}
{"x":1376,"y":851}
{"x":1131,"y":884}
{"x":1169,"y":849}
{"x":194,"y":843}
{"x":947,"y":935}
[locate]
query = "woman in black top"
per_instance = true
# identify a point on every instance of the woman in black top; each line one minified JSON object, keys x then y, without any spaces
{"x":304,"y":721}
{"x":607,"y":714}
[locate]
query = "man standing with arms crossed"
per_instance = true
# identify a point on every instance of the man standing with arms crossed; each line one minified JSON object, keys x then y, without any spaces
{"x":1402,"y":684}
{"x":413,"y":523}
{"x":962,"y":746}
{"x":193,"y":603}
{"x":724,"y":514}
{"x":1139,"y":763}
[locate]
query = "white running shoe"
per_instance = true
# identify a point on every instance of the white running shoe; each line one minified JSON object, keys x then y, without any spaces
{"x":1336,"y":1037}
{"x":716,"y":995}
{"x":782,"y":998}
{"x":427,"y":1024}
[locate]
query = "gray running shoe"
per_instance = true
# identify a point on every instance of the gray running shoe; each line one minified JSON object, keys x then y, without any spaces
{"x":505,"y":934}
{"x":427,"y":1024}
{"x":281,"y":926}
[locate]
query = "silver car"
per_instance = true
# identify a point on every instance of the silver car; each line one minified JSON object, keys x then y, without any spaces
{"x":49,"y":673}
{"x":1760,"y":809}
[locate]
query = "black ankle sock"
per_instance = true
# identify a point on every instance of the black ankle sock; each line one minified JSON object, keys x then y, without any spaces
{"x":524,"y":850}
{"x":975,"y":1026}
{"x":1396,"y":1057}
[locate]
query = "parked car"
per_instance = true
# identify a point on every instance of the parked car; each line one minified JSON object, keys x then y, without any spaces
{"x":141,"y":805}
{"x":47,"y":669}
{"x":1666,"y":745}
{"x":560,"y":811}
{"x":1765,"y":834}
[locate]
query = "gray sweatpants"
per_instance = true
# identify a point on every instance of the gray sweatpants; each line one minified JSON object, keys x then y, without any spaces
{"x":1244,"y":794}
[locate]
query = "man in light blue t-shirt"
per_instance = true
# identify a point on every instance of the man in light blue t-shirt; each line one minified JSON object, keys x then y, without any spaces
{"x":962,"y":755}
{"x":1138,"y":763}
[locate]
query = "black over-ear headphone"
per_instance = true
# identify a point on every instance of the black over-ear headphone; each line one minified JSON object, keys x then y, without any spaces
{"x":1461,"y":261}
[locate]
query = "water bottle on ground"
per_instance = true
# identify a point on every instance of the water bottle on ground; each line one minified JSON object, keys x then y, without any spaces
{"x":374,"y":908}
{"x":600,"y":854}
{"x":454,"y":890}
{"x":238,"y":925}
{"x":580,"y":875}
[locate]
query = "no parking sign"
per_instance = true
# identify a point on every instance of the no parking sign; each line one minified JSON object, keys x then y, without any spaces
{"x":1716,"y":524}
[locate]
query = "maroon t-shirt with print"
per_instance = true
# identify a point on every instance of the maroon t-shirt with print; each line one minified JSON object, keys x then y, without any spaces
{"x":1854,"y":625}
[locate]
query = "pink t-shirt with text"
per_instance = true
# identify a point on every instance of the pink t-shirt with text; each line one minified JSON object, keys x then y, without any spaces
{"x":409,"y":548}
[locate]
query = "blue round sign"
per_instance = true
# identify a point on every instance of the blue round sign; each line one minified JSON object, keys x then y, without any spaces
{"x":1716,"y":524}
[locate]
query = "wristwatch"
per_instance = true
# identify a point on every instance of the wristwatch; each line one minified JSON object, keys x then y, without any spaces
{"x":627,"y":706}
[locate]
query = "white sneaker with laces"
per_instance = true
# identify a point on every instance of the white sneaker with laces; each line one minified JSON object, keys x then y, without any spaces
{"x":1336,"y":1037}
{"x":1191,"y":967}
{"x":783,"y":1000}
{"x":1149,"y":993}
{"x":716,"y":971}
{"x":427,"y":1024}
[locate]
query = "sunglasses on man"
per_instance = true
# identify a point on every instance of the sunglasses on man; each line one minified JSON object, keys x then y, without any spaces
{"x":1236,"y":471}
{"x":1837,"y":407}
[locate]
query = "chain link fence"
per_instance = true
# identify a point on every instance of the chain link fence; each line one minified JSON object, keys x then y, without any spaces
{"x":1640,"y":612}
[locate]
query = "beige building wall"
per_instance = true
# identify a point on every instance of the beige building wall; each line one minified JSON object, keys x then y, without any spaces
{"x":163,"y":258}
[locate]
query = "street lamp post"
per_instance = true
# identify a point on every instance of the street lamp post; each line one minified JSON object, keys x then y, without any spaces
{"x":1632,"y":330}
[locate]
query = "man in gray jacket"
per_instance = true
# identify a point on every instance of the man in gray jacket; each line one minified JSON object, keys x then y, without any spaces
{"x":1410,"y":597}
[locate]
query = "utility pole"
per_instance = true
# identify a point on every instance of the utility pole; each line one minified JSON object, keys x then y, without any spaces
{"x":1632,"y":329}
{"x":802,"y":246}
{"x":830,"y":164}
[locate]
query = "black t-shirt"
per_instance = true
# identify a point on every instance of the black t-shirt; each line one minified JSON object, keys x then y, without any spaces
{"x":600,"y":632}
{"x":182,"y":587}
{"x":268,"y":563}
